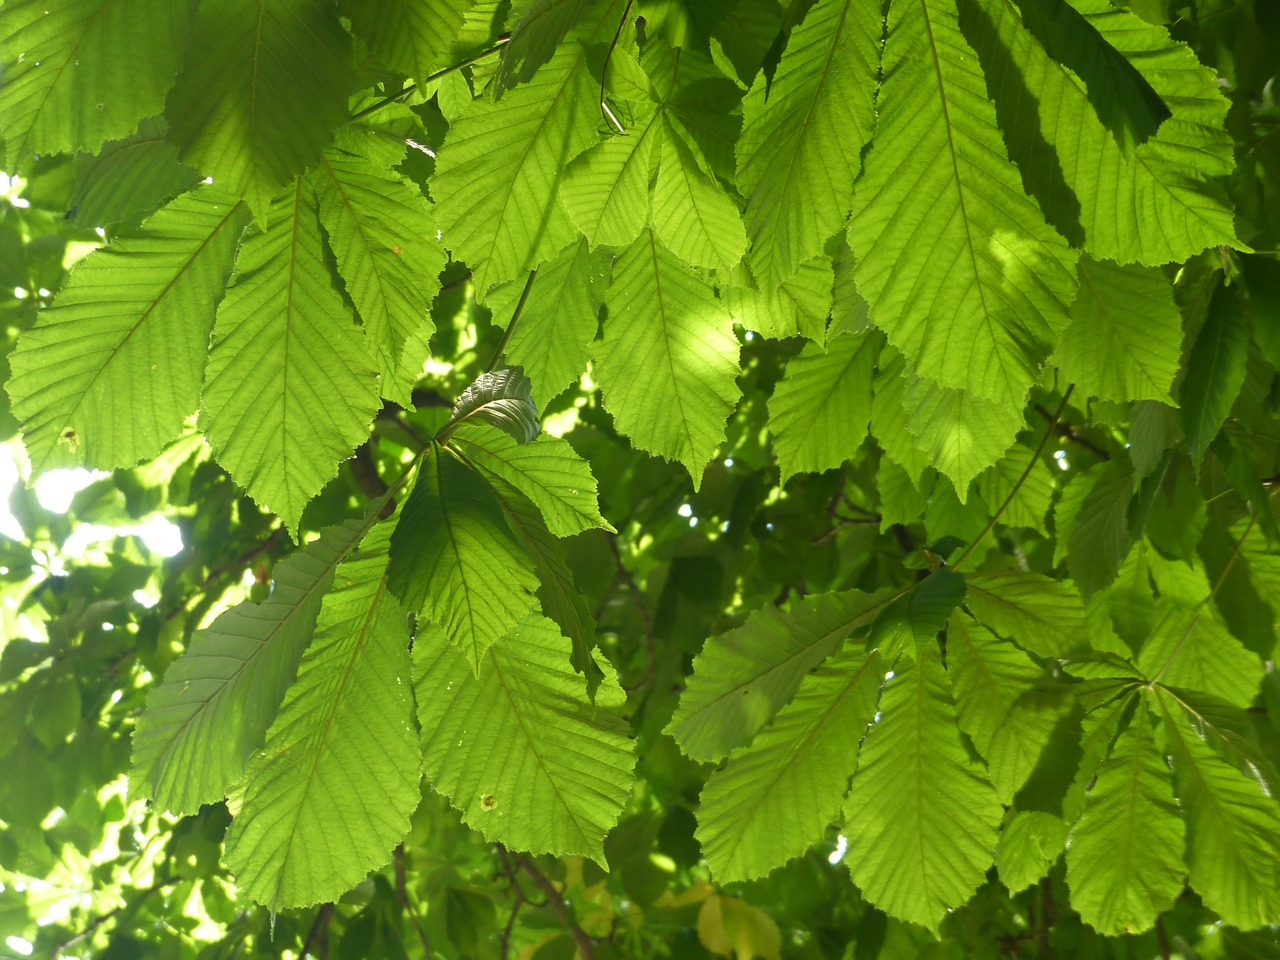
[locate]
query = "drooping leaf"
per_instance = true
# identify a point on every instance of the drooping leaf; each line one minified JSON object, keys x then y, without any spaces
{"x":914,"y":620}
{"x":1119,"y":94}
{"x":1000,"y":703}
{"x":1044,"y":615}
{"x":1030,"y":842}
{"x":217,"y":700}
{"x":1124,"y":855}
{"x":1233,"y":828}
{"x":921,"y":818}
{"x":802,"y":133}
{"x":521,"y":143}
{"x":1189,"y":647}
{"x":1097,"y":536}
{"x":1104,"y":197}
{"x":959,"y":267}
{"x":290,"y":388}
{"x":774,"y":798}
{"x":455,"y":561}
{"x":384,"y":241}
{"x":548,"y":471}
{"x":667,"y":362}
{"x":331,"y":792}
{"x":542,"y":24}
{"x":129,"y":177}
{"x":743,"y":677}
{"x":411,"y":36}
{"x":691,"y":214}
{"x":1125,"y":338}
{"x":560,"y":317}
{"x":1215,"y":371}
{"x":520,"y":750}
{"x":820,"y":409}
{"x":502,"y":398}
{"x":261,"y":93}
{"x":68,"y":85}
{"x":799,"y":306}
{"x":889,"y":417}
{"x":110,"y":371}
{"x":960,"y":432}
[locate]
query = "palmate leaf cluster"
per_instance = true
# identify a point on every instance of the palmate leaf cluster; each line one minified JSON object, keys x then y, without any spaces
{"x":693,"y":444}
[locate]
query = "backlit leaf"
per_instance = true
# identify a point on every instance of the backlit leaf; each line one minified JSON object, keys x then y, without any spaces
{"x":502,"y":398}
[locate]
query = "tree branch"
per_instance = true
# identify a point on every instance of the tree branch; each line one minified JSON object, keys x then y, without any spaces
{"x":580,"y":939}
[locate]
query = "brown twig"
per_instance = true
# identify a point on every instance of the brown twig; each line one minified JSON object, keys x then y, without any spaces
{"x":1068,"y":432}
{"x":586,"y":949}
{"x":317,"y":942}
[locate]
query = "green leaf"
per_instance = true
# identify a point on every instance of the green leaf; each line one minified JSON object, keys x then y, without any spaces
{"x":1043,"y":615}
{"x":802,"y":134}
{"x":961,"y":433}
{"x":692,"y":216}
{"x":261,"y":93}
{"x":889,"y":418}
{"x":499,"y":170}
{"x":1215,"y":371}
{"x":799,"y":306}
{"x":331,"y":792}
{"x":1124,"y":855}
{"x":536,"y":37}
{"x":1125,"y":338}
{"x":1104,"y":197}
{"x":1097,"y":537}
{"x":776,"y":797}
{"x":129,"y":178}
{"x":667,"y":363}
{"x":203,"y":722}
{"x":1233,"y":828}
{"x":921,"y":816}
{"x":957,"y":263}
{"x":1120,"y":95}
{"x":1029,"y":844}
{"x":383,"y":239}
{"x":411,"y":36}
{"x":548,"y":471}
{"x":502,"y":398}
{"x":290,"y":388}
{"x":743,"y":677}
{"x":913,"y":621}
{"x":1189,"y":648}
{"x":606,"y":189}
{"x":1001,"y":704}
{"x":454,"y":560}
{"x":78,"y":73}
{"x":1031,"y":496}
{"x":520,"y":750}
{"x":820,"y":410}
{"x":111,"y":370}
{"x":552,"y":339}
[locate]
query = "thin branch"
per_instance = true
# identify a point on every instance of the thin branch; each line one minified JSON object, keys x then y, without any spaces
{"x":98,"y":921}
{"x":317,"y":942}
{"x":1068,"y":432}
{"x":604,"y":71}
{"x":515,"y":317}
{"x":1162,"y":941}
{"x":402,"y":898}
{"x":586,"y":949}
{"x":431,"y":78}
{"x":1035,"y":457}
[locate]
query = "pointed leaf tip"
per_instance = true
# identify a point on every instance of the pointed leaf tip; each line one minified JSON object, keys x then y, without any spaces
{"x":502,"y":398}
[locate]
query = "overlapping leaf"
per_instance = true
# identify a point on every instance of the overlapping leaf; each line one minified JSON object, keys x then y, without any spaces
{"x":1026,"y":487}
{"x":1215,"y":371}
{"x":384,"y":241}
{"x":913,"y":621}
{"x":331,"y":792}
{"x":548,"y":471}
{"x":799,"y":306}
{"x":743,"y":677}
{"x":455,"y":561}
{"x":1124,"y":855}
{"x":668,"y":361}
{"x":218,"y":699}
{"x":1044,"y":615}
{"x":958,"y":264}
{"x":108,"y":374}
{"x":520,"y":749}
{"x":412,"y":36}
{"x":802,"y":133}
{"x":261,"y":93}
{"x":1188,"y":647}
{"x":290,"y":387}
{"x":128,"y":178}
{"x":921,"y":818}
{"x":820,"y":409}
{"x":68,"y":86}
{"x":502,"y":398}
{"x":774,"y":798}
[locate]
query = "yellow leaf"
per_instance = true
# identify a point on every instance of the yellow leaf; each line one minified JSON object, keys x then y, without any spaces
{"x":731,"y":928}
